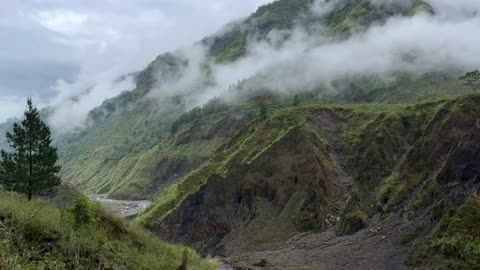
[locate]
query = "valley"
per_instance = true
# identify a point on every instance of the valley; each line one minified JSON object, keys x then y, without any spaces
{"x":123,"y":207}
{"x":309,"y":135}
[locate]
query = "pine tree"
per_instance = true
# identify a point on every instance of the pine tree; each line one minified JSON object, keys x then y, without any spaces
{"x":31,"y":167}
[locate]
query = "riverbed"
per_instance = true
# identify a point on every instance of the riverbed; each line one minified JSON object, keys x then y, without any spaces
{"x":124,"y":207}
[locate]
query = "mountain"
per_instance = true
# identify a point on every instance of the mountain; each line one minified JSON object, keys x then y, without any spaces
{"x":398,"y":170}
{"x":337,"y":186}
{"x":253,"y":151}
{"x":130,"y":150}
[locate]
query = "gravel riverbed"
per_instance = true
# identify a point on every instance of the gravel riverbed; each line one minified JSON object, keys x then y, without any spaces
{"x":124,"y":207}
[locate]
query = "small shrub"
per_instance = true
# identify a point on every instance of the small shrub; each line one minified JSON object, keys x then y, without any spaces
{"x":81,"y":211}
{"x":386,"y":190}
{"x":352,"y":222}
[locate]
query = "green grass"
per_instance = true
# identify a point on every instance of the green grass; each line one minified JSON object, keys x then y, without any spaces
{"x":386,"y":190}
{"x":454,"y":244}
{"x":38,"y":235}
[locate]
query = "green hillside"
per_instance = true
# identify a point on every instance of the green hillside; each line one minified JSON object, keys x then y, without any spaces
{"x":361,"y":172}
{"x":129,"y":149}
{"x":53,"y":235}
{"x":289,"y":173}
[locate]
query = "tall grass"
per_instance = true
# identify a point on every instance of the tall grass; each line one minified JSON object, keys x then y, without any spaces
{"x":39,"y":235}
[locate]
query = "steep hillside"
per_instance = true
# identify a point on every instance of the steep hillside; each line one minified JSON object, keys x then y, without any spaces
{"x":129,"y":149}
{"x":78,"y":235}
{"x":139,"y":150}
{"x":323,"y":169}
{"x":359,"y":164}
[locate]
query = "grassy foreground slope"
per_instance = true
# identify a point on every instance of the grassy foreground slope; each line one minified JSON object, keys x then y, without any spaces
{"x":38,"y":235}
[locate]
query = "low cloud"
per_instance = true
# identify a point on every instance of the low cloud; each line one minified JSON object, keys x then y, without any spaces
{"x":419,"y":44}
{"x":74,"y":41}
{"x":74,"y":100}
{"x":12,"y":105}
{"x":456,"y":10}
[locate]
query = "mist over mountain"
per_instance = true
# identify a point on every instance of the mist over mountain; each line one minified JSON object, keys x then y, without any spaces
{"x":306,"y":57}
{"x":315,"y":54}
{"x":80,"y":44}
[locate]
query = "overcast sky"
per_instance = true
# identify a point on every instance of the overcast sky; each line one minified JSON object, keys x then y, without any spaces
{"x":43,"y":41}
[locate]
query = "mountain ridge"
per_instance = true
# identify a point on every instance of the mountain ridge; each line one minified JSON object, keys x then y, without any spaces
{"x":393,"y":171}
{"x":156,"y":121}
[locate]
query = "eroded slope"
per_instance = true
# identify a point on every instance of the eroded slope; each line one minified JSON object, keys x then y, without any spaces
{"x":327,"y":172}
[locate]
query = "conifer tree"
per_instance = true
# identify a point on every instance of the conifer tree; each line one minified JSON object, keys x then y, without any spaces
{"x":31,"y":166}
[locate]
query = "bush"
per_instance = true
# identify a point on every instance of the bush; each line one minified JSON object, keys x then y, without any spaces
{"x":386,"y":190}
{"x":454,"y":244}
{"x":81,"y":212}
{"x":352,"y":222}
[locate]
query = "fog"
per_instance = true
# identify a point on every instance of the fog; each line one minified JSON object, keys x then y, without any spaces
{"x":419,"y":44}
{"x":51,"y":48}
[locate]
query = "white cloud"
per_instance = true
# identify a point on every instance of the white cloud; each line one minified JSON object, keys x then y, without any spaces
{"x":418,"y":44}
{"x":459,"y":9}
{"x":14,"y":105}
{"x":53,"y":40}
{"x":74,"y":100}
{"x":322,"y":7}
{"x":106,"y":38}
{"x":65,"y":22}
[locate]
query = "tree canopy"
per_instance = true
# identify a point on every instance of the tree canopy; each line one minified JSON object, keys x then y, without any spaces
{"x":31,"y":166}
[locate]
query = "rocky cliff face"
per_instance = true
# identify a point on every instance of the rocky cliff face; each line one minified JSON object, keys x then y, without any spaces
{"x":337,"y":169}
{"x":291,"y":186}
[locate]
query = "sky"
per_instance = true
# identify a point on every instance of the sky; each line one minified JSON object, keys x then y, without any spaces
{"x":52,"y":49}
